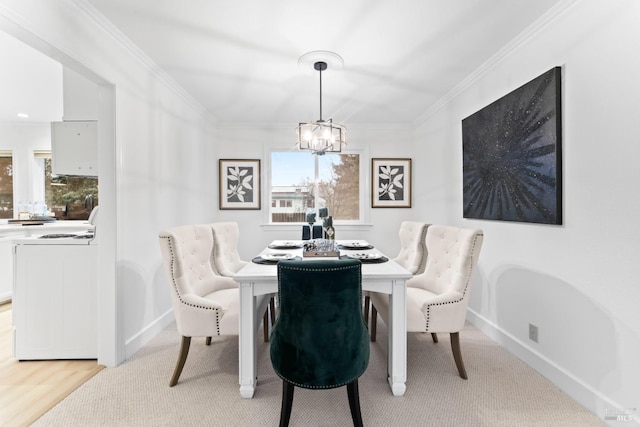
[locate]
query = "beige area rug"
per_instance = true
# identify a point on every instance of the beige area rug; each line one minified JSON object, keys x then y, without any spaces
{"x":501,"y":390}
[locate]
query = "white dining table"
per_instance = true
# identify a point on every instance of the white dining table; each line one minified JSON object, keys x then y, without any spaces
{"x":257,"y":281}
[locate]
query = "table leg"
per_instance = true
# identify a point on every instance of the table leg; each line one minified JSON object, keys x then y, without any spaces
{"x":397,"y":362}
{"x":247,"y":342}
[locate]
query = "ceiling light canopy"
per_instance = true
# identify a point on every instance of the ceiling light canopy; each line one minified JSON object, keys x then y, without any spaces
{"x":321,"y":136}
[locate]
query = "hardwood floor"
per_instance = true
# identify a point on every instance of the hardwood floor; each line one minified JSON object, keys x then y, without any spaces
{"x":28,"y":389}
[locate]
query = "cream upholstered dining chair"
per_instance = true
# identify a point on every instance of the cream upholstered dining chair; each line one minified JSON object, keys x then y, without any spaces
{"x":225,"y":251}
{"x":205,"y":304}
{"x":227,"y":260}
{"x":413,"y":252}
{"x":437,"y":299}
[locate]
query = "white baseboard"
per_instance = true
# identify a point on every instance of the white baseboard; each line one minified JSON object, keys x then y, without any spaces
{"x":144,"y":336}
{"x":573,"y":386}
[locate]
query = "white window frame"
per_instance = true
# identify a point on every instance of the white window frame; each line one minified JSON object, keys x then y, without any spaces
{"x":365,"y":197}
{"x":10,"y":153}
{"x":38,"y":173}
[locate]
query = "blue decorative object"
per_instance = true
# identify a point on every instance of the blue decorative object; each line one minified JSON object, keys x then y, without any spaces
{"x":317,"y":232}
{"x":311,"y":217}
{"x":306,"y":231}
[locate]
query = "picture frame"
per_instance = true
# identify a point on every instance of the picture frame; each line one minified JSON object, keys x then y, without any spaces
{"x":512,"y":155}
{"x":391,"y":183}
{"x":239,"y":183}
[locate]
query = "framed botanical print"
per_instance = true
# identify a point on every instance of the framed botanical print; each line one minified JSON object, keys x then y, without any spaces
{"x":390,"y":183}
{"x":239,"y":184}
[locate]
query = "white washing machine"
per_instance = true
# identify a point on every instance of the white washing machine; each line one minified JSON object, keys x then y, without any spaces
{"x":54,"y":295}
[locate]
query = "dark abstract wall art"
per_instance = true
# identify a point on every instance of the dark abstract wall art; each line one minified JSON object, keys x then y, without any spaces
{"x":512,"y":155}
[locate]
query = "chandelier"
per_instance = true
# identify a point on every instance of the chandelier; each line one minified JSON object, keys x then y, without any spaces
{"x":321,"y":136}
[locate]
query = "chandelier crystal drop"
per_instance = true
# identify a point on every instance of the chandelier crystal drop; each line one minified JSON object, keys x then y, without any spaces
{"x":321,"y":136}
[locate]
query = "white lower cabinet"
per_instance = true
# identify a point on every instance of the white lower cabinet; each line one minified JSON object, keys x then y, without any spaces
{"x":6,"y":269}
{"x":54,"y":302}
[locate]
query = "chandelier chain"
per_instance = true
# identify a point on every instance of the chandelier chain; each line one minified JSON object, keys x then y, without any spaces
{"x":321,"y":136}
{"x":320,"y":93}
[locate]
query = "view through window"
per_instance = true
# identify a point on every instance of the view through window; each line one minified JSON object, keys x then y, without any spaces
{"x":302,"y":182}
{"x":69,"y":197}
{"x":6,"y":185}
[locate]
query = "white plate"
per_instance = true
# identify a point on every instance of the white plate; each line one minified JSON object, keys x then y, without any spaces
{"x":355,"y":244}
{"x":277,"y":255}
{"x":365,"y":256}
{"x":286,"y":244}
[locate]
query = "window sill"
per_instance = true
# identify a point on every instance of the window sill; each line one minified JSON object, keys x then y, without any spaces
{"x":296,"y":226}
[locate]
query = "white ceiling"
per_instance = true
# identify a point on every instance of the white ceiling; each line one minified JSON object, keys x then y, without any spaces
{"x":239,"y":59}
{"x":30,"y":83}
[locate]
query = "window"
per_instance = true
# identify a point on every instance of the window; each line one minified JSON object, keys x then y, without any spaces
{"x":68,"y":197}
{"x":6,"y":184}
{"x":304,"y":182}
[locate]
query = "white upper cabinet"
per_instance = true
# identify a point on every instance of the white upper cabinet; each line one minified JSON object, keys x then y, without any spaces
{"x":74,"y":141}
{"x":74,"y":148}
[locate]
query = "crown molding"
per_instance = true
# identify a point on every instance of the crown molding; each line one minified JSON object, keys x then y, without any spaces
{"x":121,"y":39}
{"x":529,"y":33}
{"x":351,"y":127}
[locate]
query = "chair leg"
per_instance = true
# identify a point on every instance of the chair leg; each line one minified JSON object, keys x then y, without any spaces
{"x":367,"y":303}
{"x":457,"y":355}
{"x":287,"y":401}
{"x":265,"y":326}
{"x":354,"y":403}
{"x":434,"y":337}
{"x":272,"y":307}
{"x":374,"y":321}
{"x":184,"y":351}
{"x":208,"y":342}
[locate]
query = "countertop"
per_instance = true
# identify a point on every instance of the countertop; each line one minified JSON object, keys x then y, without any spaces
{"x":19,"y":230}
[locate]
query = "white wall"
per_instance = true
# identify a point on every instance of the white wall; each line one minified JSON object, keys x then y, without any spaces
{"x":159,"y":162}
{"x":577,"y":281}
{"x":23,"y":139}
{"x":370,"y":141}
{"x":79,"y":97}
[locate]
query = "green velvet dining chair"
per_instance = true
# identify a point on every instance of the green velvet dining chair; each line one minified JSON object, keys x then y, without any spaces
{"x":320,"y":339}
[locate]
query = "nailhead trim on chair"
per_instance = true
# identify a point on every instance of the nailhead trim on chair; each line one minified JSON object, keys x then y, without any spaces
{"x":466,"y":285}
{"x":175,"y":285}
{"x":319,"y":387}
{"x":324,"y":269}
